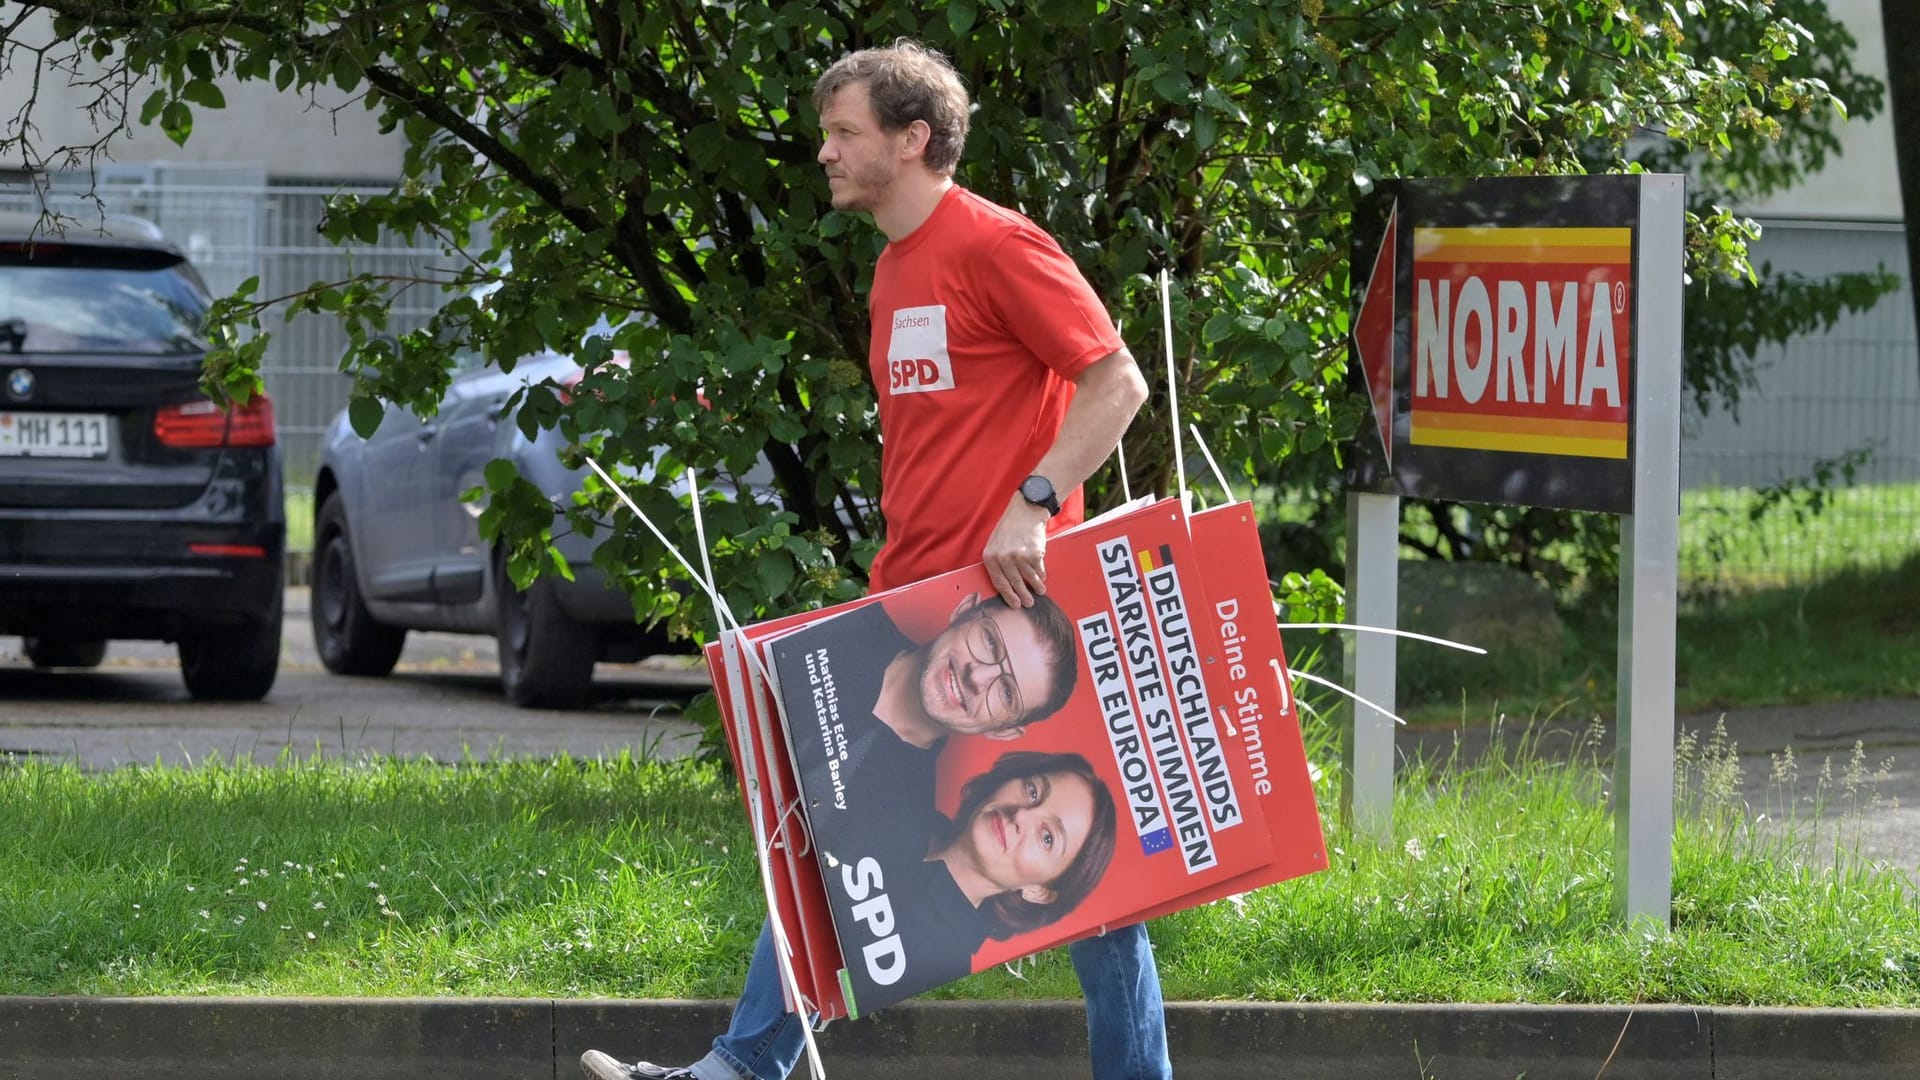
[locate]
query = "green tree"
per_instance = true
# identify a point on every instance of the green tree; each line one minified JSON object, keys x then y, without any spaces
{"x":651,"y":164}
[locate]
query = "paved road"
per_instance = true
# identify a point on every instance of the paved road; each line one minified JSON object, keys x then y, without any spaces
{"x":444,"y":700}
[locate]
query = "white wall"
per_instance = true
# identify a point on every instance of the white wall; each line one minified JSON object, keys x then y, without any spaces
{"x":1863,"y":183}
{"x":328,"y":135}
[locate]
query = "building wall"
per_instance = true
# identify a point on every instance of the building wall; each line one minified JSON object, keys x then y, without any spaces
{"x":1863,"y":183}
{"x":325,"y":134}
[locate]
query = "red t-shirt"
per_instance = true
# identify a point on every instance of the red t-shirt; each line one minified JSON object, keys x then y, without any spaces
{"x":980,"y":321}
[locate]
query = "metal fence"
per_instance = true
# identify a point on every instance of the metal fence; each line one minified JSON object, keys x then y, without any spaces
{"x":234,"y":223}
{"x":1820,"y":399}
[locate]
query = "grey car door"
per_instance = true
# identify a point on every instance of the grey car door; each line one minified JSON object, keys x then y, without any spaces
{"x":394,"y":532}
{"x":472,"y":433}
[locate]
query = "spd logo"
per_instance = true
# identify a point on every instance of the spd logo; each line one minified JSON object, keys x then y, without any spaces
{"x":917,"y":360}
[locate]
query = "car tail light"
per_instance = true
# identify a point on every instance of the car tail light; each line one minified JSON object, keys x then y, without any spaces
{"x":204,"y":424}
{"x":233,"y":551}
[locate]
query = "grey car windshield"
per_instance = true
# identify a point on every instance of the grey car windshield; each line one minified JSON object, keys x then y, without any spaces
{"x":99,"y":309}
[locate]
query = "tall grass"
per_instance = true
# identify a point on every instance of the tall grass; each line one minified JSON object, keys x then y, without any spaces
{"x":633,"y":879}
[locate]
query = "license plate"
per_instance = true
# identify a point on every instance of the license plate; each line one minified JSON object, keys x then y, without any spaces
{"x":64,"y":435}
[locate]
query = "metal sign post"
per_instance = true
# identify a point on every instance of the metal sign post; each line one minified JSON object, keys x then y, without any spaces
{"x":1649,"y":575}
{"x":1520,"y":342}
{"x":1373,"y":596}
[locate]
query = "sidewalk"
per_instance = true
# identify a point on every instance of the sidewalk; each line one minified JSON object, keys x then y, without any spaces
{"x":247,"y":1039}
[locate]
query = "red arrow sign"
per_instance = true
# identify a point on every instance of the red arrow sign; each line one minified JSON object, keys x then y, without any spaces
{"x":1373,"y":332}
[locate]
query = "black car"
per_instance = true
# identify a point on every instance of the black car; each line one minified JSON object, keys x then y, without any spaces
{"x":131,"y":505}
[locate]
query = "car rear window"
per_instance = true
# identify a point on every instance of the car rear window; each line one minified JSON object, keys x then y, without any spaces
{"x":86,"y":299}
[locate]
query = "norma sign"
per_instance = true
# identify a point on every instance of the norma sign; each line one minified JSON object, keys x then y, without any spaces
{"x":1520,"y":341}
{"x":1495,"y":337}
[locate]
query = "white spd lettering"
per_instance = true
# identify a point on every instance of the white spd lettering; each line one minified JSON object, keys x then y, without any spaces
{"x":917,"y":360}
{"x":1480,"y":335}
{"x":863,"y":883}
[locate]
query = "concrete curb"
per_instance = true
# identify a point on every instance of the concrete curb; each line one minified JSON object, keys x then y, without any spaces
{"x":364,"y":1039}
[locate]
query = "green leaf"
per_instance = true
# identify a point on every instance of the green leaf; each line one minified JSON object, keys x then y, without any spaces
{"x":774,"y":571}
{"x":1218,"y":327}
{"x":960,"y":16}
{"x":155,"y":102}
{"x":204,"y":92}
{"x":1173,"y":86}
{"x":176,"y":120}
{"x":365,"y":414}
{"x":501,"y":474}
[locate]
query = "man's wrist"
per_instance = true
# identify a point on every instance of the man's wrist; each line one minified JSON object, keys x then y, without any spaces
{"x":1037,"y":490}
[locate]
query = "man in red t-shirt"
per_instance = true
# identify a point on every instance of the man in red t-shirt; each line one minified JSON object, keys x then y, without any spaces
{"x":1003,"y":384}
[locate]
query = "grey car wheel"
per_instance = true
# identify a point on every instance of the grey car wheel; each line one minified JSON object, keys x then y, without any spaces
{"x":546,"y":659}
{"x":350,"y":641}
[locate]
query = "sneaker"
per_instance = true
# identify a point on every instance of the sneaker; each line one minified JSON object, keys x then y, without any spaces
{"x":599,"y":1066}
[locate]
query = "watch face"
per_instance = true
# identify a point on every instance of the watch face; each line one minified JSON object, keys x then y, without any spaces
{"x":1036,"y":489}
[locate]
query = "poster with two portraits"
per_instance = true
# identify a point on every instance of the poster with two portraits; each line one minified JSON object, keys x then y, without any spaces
{"x":943,"y":783}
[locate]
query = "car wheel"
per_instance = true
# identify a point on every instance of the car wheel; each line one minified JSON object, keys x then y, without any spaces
{"x":233,"y":663}
{"x":349,"y":640}
{"x":546,"y":659}
{"x":46,"y":652}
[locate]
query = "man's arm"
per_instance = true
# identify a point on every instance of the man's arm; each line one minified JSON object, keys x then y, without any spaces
{"x":1106,"y":396}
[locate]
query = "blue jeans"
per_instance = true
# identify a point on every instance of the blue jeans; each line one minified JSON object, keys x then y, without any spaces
{"x":1126,"y":1022}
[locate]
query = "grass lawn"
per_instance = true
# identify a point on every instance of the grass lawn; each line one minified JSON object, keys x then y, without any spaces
{"x":633,"y":879}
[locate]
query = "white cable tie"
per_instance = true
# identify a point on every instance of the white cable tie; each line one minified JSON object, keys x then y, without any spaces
{"x":781,"y":829}
{"x":1126,"y":486}
{"x":1173,"y":394}
{"x":783,"y":950}
{"x":1449,"y":643}
{"x":719,"y":603}
{"x":1218,"y":476}
{"x":1337,"y":688}
{"x":1286,"y":687}
{"x":700,"y":531}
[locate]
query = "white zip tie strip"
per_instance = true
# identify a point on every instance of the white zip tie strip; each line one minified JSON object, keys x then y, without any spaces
{"x":1338,"y":689}
{"x":783,"y":949}
{"x":1448,"y":642}
{"x":1173,"y":394}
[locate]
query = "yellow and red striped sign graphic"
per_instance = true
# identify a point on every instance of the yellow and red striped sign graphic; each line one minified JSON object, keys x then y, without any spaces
{"x":1522,"y":339}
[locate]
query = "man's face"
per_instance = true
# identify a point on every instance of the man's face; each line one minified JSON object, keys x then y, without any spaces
{"x":986,"y":672}
{"x":860,"y":157}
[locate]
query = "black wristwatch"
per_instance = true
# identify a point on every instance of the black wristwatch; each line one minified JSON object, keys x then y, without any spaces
{"x":1038,"y":490}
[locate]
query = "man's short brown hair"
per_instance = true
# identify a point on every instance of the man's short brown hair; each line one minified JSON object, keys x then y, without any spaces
{"x":907,"y":81}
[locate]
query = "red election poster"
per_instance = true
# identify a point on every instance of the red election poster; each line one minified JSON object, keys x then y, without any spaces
{"x":1022,"y":777}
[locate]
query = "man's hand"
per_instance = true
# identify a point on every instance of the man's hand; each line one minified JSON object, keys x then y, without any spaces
{"x":1016,"y":554}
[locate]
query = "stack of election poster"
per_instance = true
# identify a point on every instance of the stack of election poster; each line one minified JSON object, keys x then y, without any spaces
{"x":942,"y":783}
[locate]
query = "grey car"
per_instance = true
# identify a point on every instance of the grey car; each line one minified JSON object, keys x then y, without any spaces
{"x":396,"y":549}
